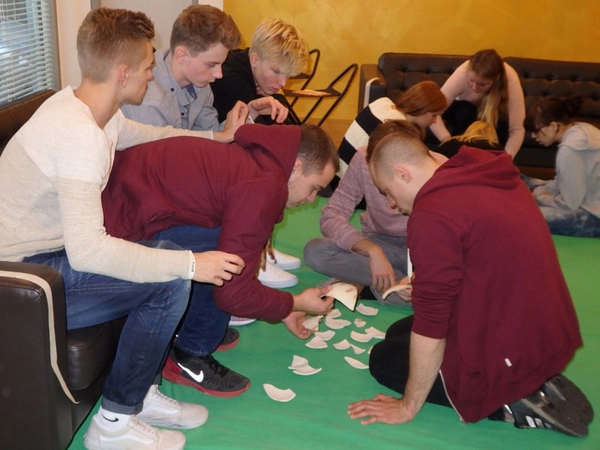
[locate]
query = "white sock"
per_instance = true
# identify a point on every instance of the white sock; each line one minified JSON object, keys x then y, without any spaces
{"x":113,"y":420}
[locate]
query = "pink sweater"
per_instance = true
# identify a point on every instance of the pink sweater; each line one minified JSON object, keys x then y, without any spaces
{"x":378,"y":218}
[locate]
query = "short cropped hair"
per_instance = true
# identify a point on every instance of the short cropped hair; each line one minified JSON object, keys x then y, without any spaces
{"x":397,"y":148}
{"x":200,"y":27}
{"x":316,"y":150}
{"x":109,"y":37}
{"x":281,"y":44}
{"x":388,"y":127}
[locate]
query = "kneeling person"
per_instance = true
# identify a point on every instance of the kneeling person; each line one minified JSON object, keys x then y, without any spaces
{"x":480,"y":344}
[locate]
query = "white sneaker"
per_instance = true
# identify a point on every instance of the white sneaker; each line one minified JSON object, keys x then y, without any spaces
{"x":164,"y":411}
{"x":135,"y":435}
{"x":276,"y":278}
{"x":283,"y":261}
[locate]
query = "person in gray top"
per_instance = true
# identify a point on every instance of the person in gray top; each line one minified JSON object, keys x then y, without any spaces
{"x":180,"y":94}
{"x":571,"y":201}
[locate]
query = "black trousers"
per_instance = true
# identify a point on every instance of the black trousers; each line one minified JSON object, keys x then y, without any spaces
{"x":389,"y":363}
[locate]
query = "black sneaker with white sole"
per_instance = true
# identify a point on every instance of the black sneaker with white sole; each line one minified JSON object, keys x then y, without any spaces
{"x":540,"y":411}
{"x":204,"y":373}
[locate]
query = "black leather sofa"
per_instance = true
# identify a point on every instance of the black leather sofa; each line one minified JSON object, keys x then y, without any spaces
{"x":396,"y":72}
{"x":37,"y":351}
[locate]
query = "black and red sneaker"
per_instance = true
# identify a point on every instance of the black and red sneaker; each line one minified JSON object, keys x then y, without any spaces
{"x":232,"y":337}
{"x":205,"y":374}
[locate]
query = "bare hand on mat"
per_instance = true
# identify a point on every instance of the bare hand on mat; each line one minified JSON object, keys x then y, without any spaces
{"x":382,"y":408}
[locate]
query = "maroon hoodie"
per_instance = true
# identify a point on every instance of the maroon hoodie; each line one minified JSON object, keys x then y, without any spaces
{"x":241,"y":187}
{"x":487,"y":279}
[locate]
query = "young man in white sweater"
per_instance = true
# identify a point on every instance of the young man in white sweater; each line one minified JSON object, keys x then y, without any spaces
{"x":52,"y":174}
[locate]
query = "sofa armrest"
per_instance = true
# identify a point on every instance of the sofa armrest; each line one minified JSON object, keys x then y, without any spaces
{"x":35,"y":410}
{"x":372,"y":85}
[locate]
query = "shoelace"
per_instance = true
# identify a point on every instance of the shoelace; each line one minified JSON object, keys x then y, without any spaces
{"x":216,"y":366}
{"x":143,"y":428}
{"x":162,"y":398}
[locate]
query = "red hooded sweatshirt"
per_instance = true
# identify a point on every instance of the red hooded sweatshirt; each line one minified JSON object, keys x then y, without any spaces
{"x":241,"y":187}
{"x":487,"y":279}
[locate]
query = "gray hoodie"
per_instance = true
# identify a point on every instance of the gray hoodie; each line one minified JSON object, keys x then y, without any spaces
{"x":577,"y":181}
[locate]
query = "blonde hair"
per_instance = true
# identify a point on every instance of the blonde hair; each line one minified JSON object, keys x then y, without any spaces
{"x":199,"y":27}
{"x":479,"y":130}
{"x":282,"y":44}
{"x":110,"y":37}
{"x":489,"y":65}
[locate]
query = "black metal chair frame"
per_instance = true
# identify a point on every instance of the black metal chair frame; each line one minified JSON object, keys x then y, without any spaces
{"x":329,"y":92}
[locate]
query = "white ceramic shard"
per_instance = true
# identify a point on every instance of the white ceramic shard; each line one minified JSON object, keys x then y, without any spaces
{"x":334,"y":313}
{"x":361,"y":337}
{"x":307,"y":370}
{"x":298,"y":361}
{"x":375,"y":332}
{"x":325,"y":335}
{"x":359,"y":323}
{"x":367,"y":310}
{"x":357,"y":350}
{"x":342,"y":345}
{"x":312,"y":323}
{"x":345,"y":293}
{"x":355,"y":363}
{"x":316,"y":342}
{"x":336,"y":324}
{"x":279,"y":395}
{"x":396,"y":288}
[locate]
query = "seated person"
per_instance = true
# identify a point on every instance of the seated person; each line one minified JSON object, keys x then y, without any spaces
{"x":479,"y":135}
{"x":571,"y":201}
{"x":276,"y":53}
{"x":494,"y":324}
{"x":209,"y":195}
{"x":485,"y":88}
{"x":52,"y":174}
{"x":421,"y":105}
{"x":180,"y":93}
{"x":376,"y":255}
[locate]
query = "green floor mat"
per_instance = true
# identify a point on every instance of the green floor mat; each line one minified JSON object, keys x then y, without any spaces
{"x":317,"y":417}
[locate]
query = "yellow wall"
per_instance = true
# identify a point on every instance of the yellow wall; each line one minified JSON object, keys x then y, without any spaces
{"x":348,"y":31}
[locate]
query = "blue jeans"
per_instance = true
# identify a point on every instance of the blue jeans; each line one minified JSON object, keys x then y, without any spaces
{"x":579,"y":223}
{"x":153,"y":310}
{"x":204,"y":325}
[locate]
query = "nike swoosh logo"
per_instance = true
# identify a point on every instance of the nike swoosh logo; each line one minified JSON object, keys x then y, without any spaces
{"x":197,"y":377}
{"x":110,"y":420}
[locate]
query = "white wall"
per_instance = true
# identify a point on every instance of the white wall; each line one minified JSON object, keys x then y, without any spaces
{"x":70,"y":13}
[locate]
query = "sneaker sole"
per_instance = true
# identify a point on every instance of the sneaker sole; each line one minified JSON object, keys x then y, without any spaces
{"x":576,"y":428}
{"x":288,"y":266}
{"x":224,"y":347}
{"x":178,"y":379}
{"x":561,"y":388}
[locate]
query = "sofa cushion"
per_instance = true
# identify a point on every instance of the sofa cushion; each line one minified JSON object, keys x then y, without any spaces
{"x":90,"y":350}
{"x":15,"y":114}
{"x":403,"y":70}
